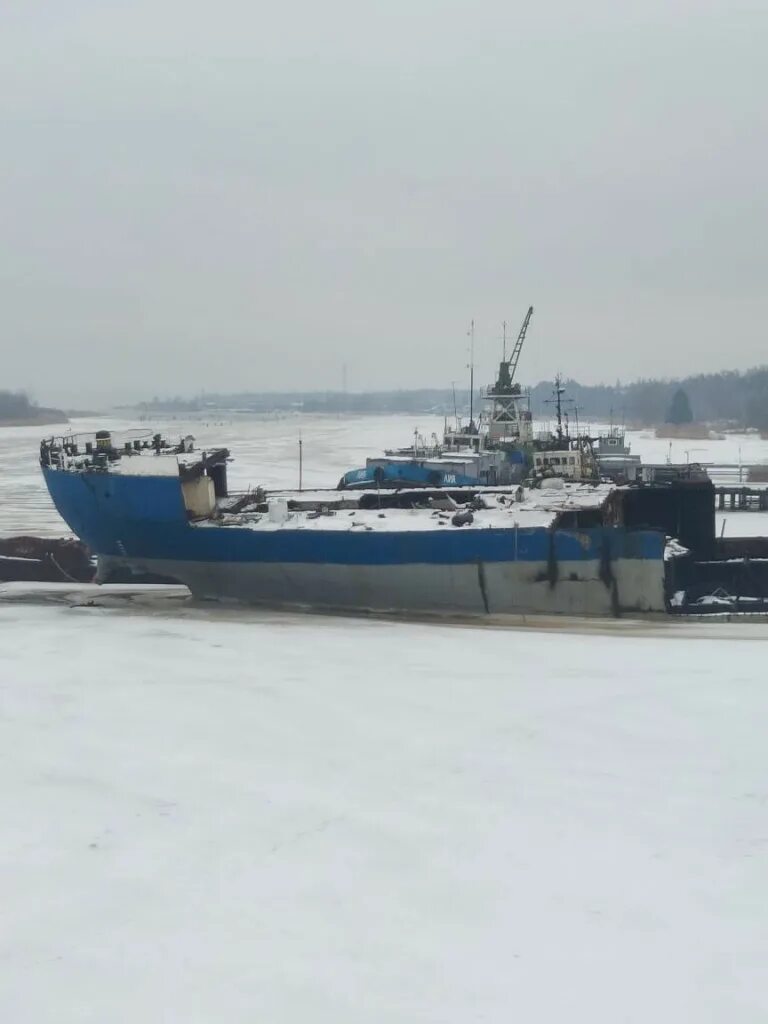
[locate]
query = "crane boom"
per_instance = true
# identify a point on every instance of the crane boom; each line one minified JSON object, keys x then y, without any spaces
{"x":514,"y":359}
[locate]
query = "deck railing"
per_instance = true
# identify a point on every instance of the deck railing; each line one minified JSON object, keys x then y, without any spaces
{"x":102,"y":447}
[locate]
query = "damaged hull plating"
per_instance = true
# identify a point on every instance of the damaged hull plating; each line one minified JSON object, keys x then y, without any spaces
{"x":475,"y":588}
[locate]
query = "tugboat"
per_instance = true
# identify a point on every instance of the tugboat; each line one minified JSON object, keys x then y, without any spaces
{"x":614,"y":458}
{"x":496,"y":450}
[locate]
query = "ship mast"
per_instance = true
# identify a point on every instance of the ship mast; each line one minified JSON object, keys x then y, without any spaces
{"x":471,"y":333}
{"x":558,"y":391}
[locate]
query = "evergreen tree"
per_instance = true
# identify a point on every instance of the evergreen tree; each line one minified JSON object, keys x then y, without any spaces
{"x":756,"y":414}
{"x":679,"y":408}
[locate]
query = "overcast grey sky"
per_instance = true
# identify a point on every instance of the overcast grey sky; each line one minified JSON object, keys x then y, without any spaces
{"x":249,"y":195}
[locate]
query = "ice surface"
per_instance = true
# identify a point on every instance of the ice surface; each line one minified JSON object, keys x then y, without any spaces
{"x":215,"y":815}
{"x":741,"y":524}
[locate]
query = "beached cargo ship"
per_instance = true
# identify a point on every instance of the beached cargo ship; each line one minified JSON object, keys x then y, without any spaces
{"x":564,"y":547}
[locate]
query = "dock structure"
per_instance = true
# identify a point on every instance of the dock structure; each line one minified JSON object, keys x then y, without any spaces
{"x":742,"y":499}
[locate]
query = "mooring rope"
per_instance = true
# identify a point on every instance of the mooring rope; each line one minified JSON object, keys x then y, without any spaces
{"x":62,"y":571}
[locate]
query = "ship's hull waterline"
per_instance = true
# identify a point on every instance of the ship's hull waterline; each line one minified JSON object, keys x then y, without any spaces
{"x":635,"y":585}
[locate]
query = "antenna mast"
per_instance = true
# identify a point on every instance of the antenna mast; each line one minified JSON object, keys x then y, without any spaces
{"x":558,"y":391}
{"x":471,"y":373}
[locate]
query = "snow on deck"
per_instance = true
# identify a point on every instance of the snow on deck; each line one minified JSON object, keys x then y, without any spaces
{"x":539,"y":508}
{"x":146,"y":465}
{"x":447,"y":457}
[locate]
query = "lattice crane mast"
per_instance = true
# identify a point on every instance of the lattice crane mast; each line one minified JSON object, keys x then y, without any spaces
{"x":508,"y":367}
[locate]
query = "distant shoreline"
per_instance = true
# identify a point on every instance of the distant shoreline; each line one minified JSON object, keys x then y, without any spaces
{"x":40,"y":418}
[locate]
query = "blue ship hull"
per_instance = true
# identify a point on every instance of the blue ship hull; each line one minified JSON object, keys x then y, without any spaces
{"x":401,"y":471}
{"x":140,"y":522}
{"x":403,"y":474}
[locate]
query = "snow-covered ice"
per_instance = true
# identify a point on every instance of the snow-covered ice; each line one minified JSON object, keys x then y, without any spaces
{"x":222,"y":815}
{"x":225,"y":815}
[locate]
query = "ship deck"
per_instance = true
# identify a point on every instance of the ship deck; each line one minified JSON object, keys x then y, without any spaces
{"x":342,"y":511}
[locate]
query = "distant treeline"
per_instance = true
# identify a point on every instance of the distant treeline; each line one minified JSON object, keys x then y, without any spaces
{"x":738,"y":399}
{"x":729,"y":398}
{"x":14,"y":405}
{"x":17,"y":407}
{"x":434,"y":400}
